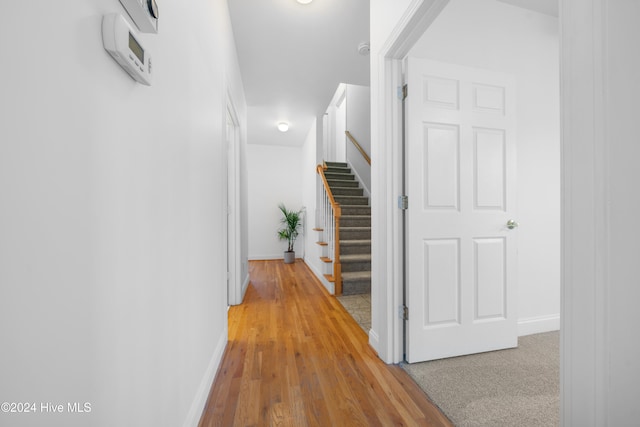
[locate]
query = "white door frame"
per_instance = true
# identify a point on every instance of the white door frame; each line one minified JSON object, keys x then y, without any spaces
{"x":235,"y":290}
{"x":386,"y":335}
{"x":585,"y":317}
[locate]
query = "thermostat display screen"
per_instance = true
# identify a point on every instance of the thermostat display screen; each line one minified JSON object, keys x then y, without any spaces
{"x":136,"y":48}
{"x":127,"y":49}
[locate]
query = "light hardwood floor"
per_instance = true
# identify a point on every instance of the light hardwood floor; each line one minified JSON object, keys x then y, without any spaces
{"x":296,"y":358}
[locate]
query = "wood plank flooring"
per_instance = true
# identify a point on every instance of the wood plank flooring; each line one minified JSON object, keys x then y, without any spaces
{"x":296,"y":358}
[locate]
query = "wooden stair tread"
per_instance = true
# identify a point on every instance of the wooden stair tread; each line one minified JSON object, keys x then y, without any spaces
{"x":322,"y":243}
{"x":318,"y":229}
{"x":330,"y":278}
{"x":326,"y":259}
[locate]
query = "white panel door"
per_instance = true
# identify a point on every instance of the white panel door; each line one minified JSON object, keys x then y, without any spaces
{"x":461,"y":255}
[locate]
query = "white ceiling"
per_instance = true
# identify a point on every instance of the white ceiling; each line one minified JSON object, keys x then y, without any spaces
{"x":292,"y":58}
{"x":548,"y":7}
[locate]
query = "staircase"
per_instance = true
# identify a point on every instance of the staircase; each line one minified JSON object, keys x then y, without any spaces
{"x":355,"y":229}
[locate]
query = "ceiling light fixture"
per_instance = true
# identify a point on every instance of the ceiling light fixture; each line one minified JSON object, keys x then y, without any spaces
{"x":283,"y":126}
{"x":304,"y":1}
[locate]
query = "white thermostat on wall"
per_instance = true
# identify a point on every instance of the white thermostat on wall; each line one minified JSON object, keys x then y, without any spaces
{"x":124,"y":44}
{"x":144,"y":13}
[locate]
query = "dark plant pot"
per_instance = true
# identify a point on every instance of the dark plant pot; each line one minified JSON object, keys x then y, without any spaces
{"x":289,"y":257}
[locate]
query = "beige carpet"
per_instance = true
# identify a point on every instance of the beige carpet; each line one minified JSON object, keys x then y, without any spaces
{"x":359,"y":307}
{"x":517,"y":387}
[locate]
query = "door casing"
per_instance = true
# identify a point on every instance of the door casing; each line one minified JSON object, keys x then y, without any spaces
{"x":387,"y":331}
{"x":233,"y":247}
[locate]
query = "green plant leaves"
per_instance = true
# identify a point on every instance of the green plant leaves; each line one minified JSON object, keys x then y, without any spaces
{"x":292,"y":221}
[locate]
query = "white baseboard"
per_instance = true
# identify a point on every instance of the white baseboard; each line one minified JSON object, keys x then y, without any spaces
{"x":374,"y":340}
{"x":331,"y":287}
{"x":200,"y":400}
{"x":245,"y":285}
{"x":265,"y":257}
{"x":314,"y":270}
{"x":538,"y":325}
{"x":328,"y":285}
{"x":365,"y":189}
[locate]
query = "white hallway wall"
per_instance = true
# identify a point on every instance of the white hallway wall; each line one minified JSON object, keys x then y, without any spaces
{"x":275,"y":176}
{"x":111,"y":256}
{"x":359,"y":124}
{"x":492,"y":35}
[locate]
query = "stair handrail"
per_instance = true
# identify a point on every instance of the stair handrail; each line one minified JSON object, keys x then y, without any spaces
{"x":358,"y":146}
{"x":337,"y":213}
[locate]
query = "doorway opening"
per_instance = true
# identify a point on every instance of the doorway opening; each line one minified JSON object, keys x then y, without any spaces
{"x":426,"y":20}
{"x":539,"y":233}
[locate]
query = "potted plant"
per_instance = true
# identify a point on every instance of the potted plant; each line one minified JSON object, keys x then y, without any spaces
{"x":292,"y":221}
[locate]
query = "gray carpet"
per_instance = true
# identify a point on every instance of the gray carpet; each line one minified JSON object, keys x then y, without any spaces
{"x":359,"y":307}
{"x":517,"y":387}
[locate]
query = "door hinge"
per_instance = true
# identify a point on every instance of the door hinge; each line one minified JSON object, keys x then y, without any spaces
{"x":403,"y":202}
{"x":402,"y":92}
{"x":403,"y":312}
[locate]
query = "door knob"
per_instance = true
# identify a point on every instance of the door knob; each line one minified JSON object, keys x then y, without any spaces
{"x":511,"y":224}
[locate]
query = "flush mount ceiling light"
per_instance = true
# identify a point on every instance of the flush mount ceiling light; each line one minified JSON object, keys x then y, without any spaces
{"x":283,"y":126}
{"x":304,"y":1}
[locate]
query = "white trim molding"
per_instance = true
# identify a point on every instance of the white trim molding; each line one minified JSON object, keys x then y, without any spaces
{"x":386,"y":177}
{"x":245,"y":286}
{"x":329,"y":286}
{"x":365,"y":190}
{"x":233,"y":229}
{"x":266,"y":257}
{"x":200,"y":399}
{"x":583,"y":364}
{"x":538,"y":325}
